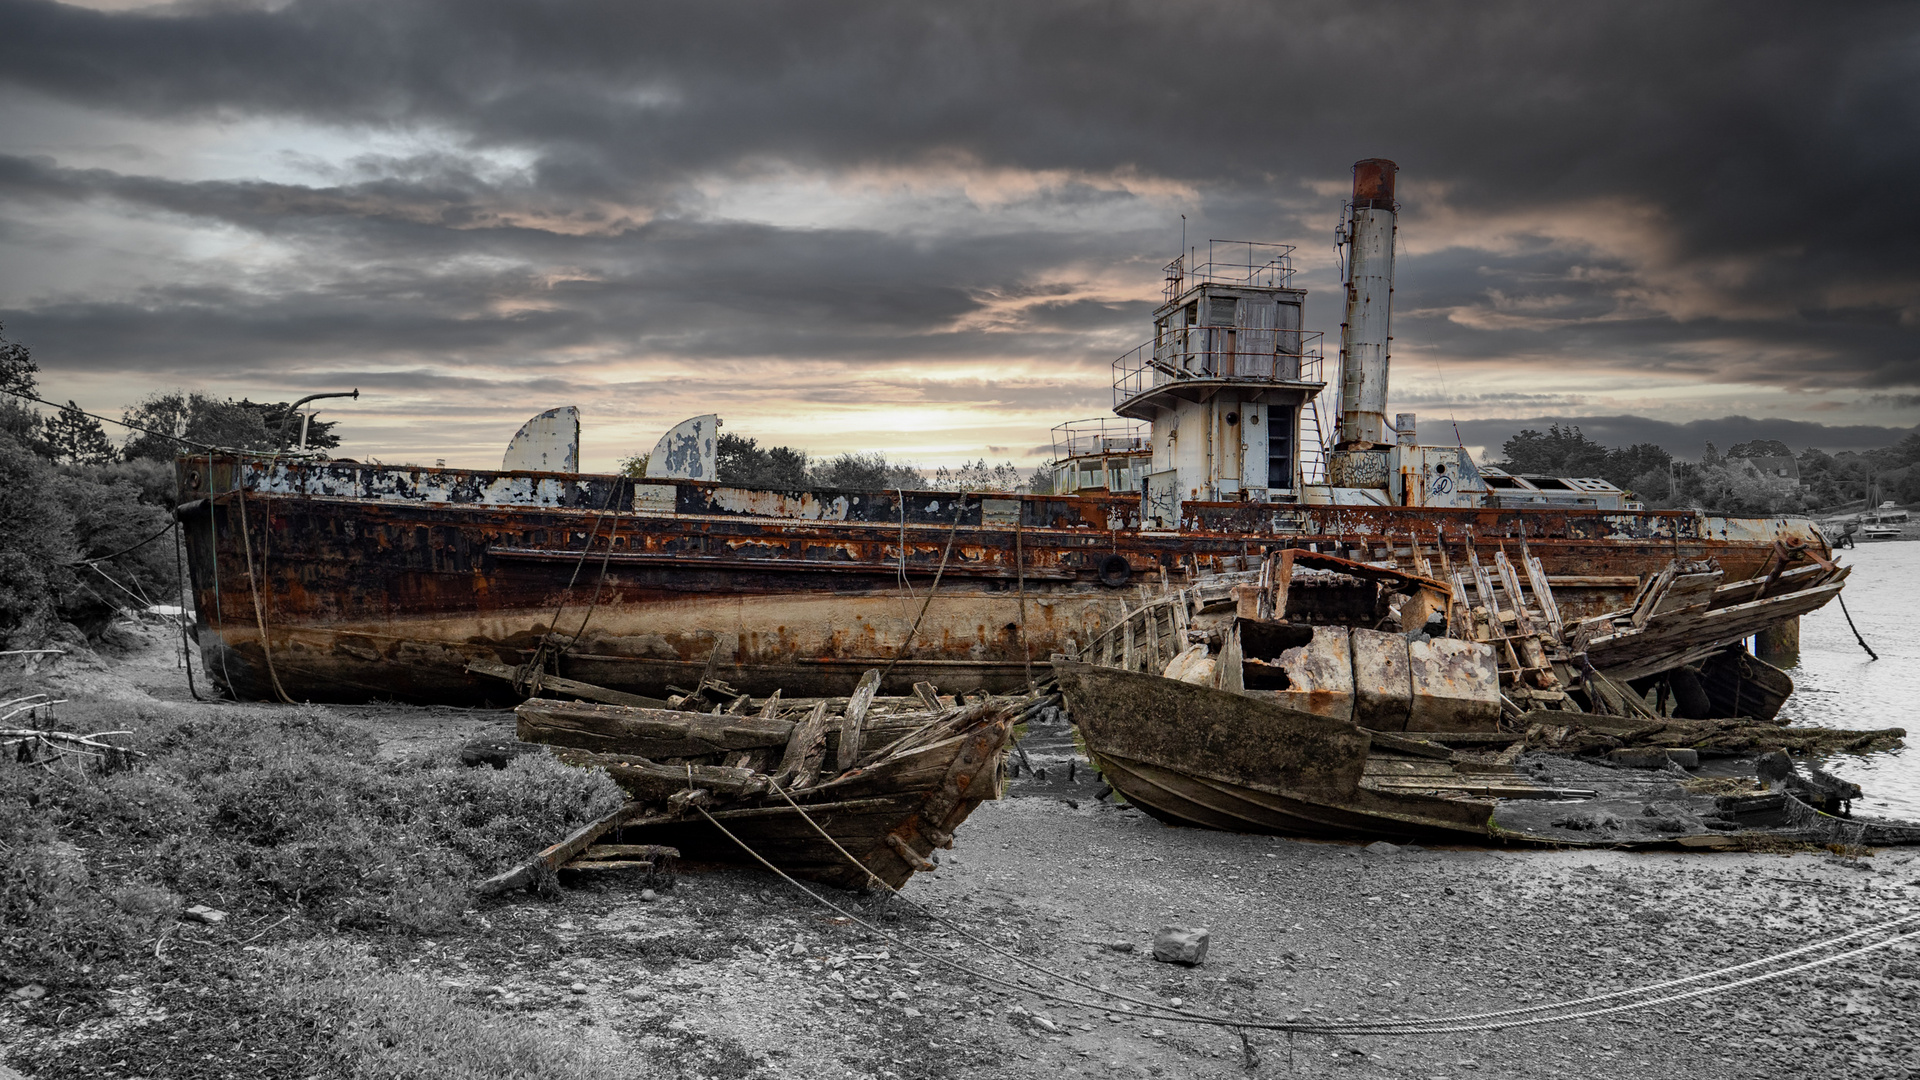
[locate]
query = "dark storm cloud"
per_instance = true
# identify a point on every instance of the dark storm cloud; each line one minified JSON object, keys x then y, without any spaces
{"x":1690,"y":439}
{"x":1773,"y":146}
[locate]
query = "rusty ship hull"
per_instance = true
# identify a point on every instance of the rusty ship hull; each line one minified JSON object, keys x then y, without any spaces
{"x":348,"y":582}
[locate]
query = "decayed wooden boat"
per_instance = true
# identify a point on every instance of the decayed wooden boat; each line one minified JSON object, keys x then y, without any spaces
{"x":1202,"y":715}
{"x":888,"y":784}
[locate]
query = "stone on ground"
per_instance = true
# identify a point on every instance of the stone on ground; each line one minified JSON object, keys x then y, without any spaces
{"x":1181,"y":945}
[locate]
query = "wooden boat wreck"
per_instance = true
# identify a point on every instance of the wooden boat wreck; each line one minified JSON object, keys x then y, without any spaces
{"x":868,"y":793}
{"x":341,"y":581}
{"x":1348,"y":718}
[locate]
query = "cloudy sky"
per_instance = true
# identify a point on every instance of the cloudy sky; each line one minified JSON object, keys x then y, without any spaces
{"x":929,"y":229}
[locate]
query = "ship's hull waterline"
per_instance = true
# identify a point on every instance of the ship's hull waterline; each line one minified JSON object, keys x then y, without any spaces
{"x":357,"y":582}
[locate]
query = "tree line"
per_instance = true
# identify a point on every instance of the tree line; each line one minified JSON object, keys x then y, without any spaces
{"x":83,"y":519}
{"x":741,"y":460}
{"x":1733,"y":482}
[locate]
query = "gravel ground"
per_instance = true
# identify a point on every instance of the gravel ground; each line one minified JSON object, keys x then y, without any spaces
{"x":731,"y":973}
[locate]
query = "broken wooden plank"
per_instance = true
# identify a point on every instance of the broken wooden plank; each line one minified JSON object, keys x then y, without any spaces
{"x":856,"y":718}
{"x":647,"y":732}
{"x":541,"y":680}
{"x":549,"y":859}
{"x":630,"y":851}
{"x":806,"y":749}
{"x":651,"y":781}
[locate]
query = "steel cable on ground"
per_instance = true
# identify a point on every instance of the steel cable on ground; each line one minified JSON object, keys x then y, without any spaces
{"x":1435,"y":1026}
{"x":1368,"y":1025}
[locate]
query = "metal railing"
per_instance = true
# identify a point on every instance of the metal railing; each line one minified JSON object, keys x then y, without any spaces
{"x":1228,"y":353}
{"x":1232,"y":262}
{"x":1100,"y":436}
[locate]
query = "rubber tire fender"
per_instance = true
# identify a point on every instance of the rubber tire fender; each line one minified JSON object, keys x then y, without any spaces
{"x":1115,"y":570}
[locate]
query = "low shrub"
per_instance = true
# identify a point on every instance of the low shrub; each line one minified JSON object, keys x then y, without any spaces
{"x":260,"y":812}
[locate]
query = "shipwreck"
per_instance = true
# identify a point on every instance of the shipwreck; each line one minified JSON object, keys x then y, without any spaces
{"x":1326,"y":698}
{"x":341,"y":581}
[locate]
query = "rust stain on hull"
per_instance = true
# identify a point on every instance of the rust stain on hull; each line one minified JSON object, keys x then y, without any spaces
{"x":383,"y":583}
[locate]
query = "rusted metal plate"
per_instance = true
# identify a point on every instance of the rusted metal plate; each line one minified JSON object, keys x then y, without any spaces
{"x":386,"y":582}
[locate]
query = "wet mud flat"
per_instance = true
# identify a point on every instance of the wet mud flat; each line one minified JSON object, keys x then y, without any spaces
{"x":732,"y":973}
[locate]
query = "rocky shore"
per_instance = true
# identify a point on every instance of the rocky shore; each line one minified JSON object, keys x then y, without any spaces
{"x":731,"y":973}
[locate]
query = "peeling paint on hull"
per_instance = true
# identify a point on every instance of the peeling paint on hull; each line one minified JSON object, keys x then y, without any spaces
{"x":384,"y":582}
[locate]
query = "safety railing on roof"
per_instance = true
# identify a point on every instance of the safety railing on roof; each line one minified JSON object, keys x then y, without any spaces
{"x":1225,"y":353}
{"x":1099,"y":436}
{"x":1232,"y":262}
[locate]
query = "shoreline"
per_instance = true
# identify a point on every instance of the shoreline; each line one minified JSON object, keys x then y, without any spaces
{"x":733,"y":974}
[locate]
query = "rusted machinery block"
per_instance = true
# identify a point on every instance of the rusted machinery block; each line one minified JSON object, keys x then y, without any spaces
{"x":1382,"y":680}
{"x":1456,"y":686}
{"x":1320,"y":675}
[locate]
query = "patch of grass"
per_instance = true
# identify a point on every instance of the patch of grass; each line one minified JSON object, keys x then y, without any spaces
{"x":394,"y":1026}
{"x":260,"y":813}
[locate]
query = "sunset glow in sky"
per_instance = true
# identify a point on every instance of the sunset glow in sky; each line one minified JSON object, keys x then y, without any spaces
{"x":930,"y":230}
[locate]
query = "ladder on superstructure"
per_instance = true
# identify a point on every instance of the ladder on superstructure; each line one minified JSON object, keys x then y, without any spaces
{"x":1313,"y":467}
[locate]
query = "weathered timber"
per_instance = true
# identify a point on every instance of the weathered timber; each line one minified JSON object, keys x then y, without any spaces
{"x":552,"y":858}
{"x":650,"y":781}
{"x":652,"y":733}
{"x":629,"y":851}
{"x":540,"y":680}
{"x":809,"y":739}
{"x":855,"y":719}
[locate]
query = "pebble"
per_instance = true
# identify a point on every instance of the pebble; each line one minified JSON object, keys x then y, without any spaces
{"x":648,"y":896}
{"x":201,"y":913}
{"x":1181,"y":945}
{"x":578,"y":988}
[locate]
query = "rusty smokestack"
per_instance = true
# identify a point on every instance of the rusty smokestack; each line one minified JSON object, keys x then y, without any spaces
{"x":1365,"y":334}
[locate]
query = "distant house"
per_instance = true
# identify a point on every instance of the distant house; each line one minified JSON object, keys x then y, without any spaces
{"x":1781,"y":466}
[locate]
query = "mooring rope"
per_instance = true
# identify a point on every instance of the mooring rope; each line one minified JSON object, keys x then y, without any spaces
{"x":253,"y":585}
{"x":958,"y":510}
{"x":1491,"y":1021}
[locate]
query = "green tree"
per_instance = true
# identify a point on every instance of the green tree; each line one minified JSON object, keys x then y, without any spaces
{"x":19,"y":421}
{"x":977,"y":476}
{"x":870,"y":471}
{"x":635,"y":465}
{"x":1760,"y":448}
{"x":78,"y":439}
{"x":36,"y":544}
{"x":743,"y":461}
{"x":1041,"y":480}
{"x":17,"y":369}
{"x":194,"y":420}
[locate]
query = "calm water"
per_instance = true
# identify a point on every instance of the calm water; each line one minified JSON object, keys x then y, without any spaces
{"x":1835,"y":685}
